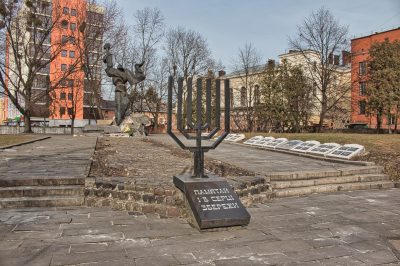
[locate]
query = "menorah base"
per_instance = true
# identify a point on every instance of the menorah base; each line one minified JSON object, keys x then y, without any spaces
{"x":212,"y":202}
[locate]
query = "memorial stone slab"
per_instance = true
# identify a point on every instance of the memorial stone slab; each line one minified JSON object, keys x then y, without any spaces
{"x":325,"y":148}
{"x":289,"y":145}
{"x":212,"y":202}
{"x":235,"y":137}
{"x":306,"y":146}
{"x":347,"y":151}
{"x":275,"y":142}
{"x":264,"y":141}
{"x":253,"y":140}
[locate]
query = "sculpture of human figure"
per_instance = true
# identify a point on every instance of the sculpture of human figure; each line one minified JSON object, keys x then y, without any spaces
{"x":120,"y":76}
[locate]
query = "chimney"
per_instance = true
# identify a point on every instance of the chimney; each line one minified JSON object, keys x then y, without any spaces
{"x":221,"y":73}
{"x":336,"y":60}
{"x":346,"y":58}
{"x":330,"y":59}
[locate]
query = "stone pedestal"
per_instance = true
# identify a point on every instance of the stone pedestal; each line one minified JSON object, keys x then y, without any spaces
{"x":212,"y":202}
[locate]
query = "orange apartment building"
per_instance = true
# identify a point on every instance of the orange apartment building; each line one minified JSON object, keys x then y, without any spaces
{"x":72,"y":94}
{"x":359,"y":68}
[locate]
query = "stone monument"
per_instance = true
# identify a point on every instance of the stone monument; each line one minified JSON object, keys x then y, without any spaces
{"x":211,"y":199}
{"x":120,"y":76}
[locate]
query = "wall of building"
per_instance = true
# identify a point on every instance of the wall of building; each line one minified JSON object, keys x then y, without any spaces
{"x":360,"y":53}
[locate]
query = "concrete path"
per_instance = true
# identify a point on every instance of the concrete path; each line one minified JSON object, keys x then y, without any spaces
{"x":58,"y":156}
{"x":354,"y":228}
{"x":263,"y":161}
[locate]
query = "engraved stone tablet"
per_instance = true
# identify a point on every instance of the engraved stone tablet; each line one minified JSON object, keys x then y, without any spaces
{"x":212,"y":201}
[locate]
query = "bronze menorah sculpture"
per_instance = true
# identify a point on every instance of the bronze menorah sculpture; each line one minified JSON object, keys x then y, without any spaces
{"x":199,"y":127}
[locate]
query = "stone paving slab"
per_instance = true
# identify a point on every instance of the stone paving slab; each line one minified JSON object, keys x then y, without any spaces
{"x":352,"y":228}
{"x":58,"y":156}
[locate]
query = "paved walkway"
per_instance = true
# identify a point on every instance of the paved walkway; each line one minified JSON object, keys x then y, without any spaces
{"x":263,"y":161}
{"x":58,"y":156}
{"x":354,"y":228}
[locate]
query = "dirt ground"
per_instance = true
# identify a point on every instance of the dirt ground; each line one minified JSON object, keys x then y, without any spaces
{"x":144,"y":158}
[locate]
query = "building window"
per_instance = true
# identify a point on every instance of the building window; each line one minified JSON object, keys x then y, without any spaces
{"x":64,"y":53}
{"x":72,"y":54}
{"x":65,"y":10}
{"x":63,"y":83}
{"x":70,"y":97}
{"x":64,"y":39}
{"x":362,"y":108}
{"x":362,"y":88}
{"x":70,"y":111}
{"x":71,"y":83}
{"x":362,"y":68}
{"x":72,"y":26}
{"x":243,"y":96}
{"x":73,"y":12}
{"x":62,"y":111}
{"x":64,"y":24}
{"x":63,"y":67}
{"x":392,"y":119}
{"x":62,"y":97}
{"x":72,"y":39}
{"x":71,"y":67}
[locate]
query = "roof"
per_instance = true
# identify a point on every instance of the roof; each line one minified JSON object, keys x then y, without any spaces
{"x":376,"y":33}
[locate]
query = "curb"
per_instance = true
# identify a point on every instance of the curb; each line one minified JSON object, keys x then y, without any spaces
{"x":89,"y":165}
{"x":23,"y":143}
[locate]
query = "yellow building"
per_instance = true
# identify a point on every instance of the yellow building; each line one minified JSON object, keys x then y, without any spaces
{"x":245,"y":91}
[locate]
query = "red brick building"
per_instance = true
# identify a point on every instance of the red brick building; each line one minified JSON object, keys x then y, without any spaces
{"x":359,"y":68}
{"x":74,"y":94}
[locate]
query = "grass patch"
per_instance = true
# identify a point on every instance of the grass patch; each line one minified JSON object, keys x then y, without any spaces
{"x":7,"y":140}
{"x":384,"y":150}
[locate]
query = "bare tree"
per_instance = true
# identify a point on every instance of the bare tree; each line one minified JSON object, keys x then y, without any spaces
{"x":247,"y":68}
{"x":156,"y":94}
{"x":148,"y":32}
{"x":29,"y":58}
{"x":318,"y":38}
{"x":188,"y":51}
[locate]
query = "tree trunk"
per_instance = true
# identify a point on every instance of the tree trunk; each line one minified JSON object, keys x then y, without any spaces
{"x":156,"y":121}
{"x":72,"y":126}
{"x":378,"y":122}
{"x":27,"y":123}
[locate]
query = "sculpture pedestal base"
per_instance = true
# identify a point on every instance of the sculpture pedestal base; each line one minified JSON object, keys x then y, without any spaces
{"x":212,"y":202}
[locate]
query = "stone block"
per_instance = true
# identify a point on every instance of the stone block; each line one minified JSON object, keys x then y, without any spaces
{"x":147,"y":208}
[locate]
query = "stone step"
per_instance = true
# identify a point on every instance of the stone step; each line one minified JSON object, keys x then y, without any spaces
{"x":55,"y":201}
{"x":41,"y":191}
{"x":322,"y":174}
{"x":329,"y":180}
{"x":40,"y":181}
{"x":301,"y":191}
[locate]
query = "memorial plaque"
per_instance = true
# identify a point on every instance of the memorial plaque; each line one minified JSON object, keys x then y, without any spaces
{"x":212,"y":201}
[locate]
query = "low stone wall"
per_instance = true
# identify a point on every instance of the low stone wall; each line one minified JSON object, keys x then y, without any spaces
{"x":10,"y":130}
{"x":163,"y":199}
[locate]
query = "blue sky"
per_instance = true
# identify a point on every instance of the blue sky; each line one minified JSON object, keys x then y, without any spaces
{"x":267,"y":24}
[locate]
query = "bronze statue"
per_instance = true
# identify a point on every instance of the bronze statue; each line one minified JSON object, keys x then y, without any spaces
{"x":120,"y":76}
